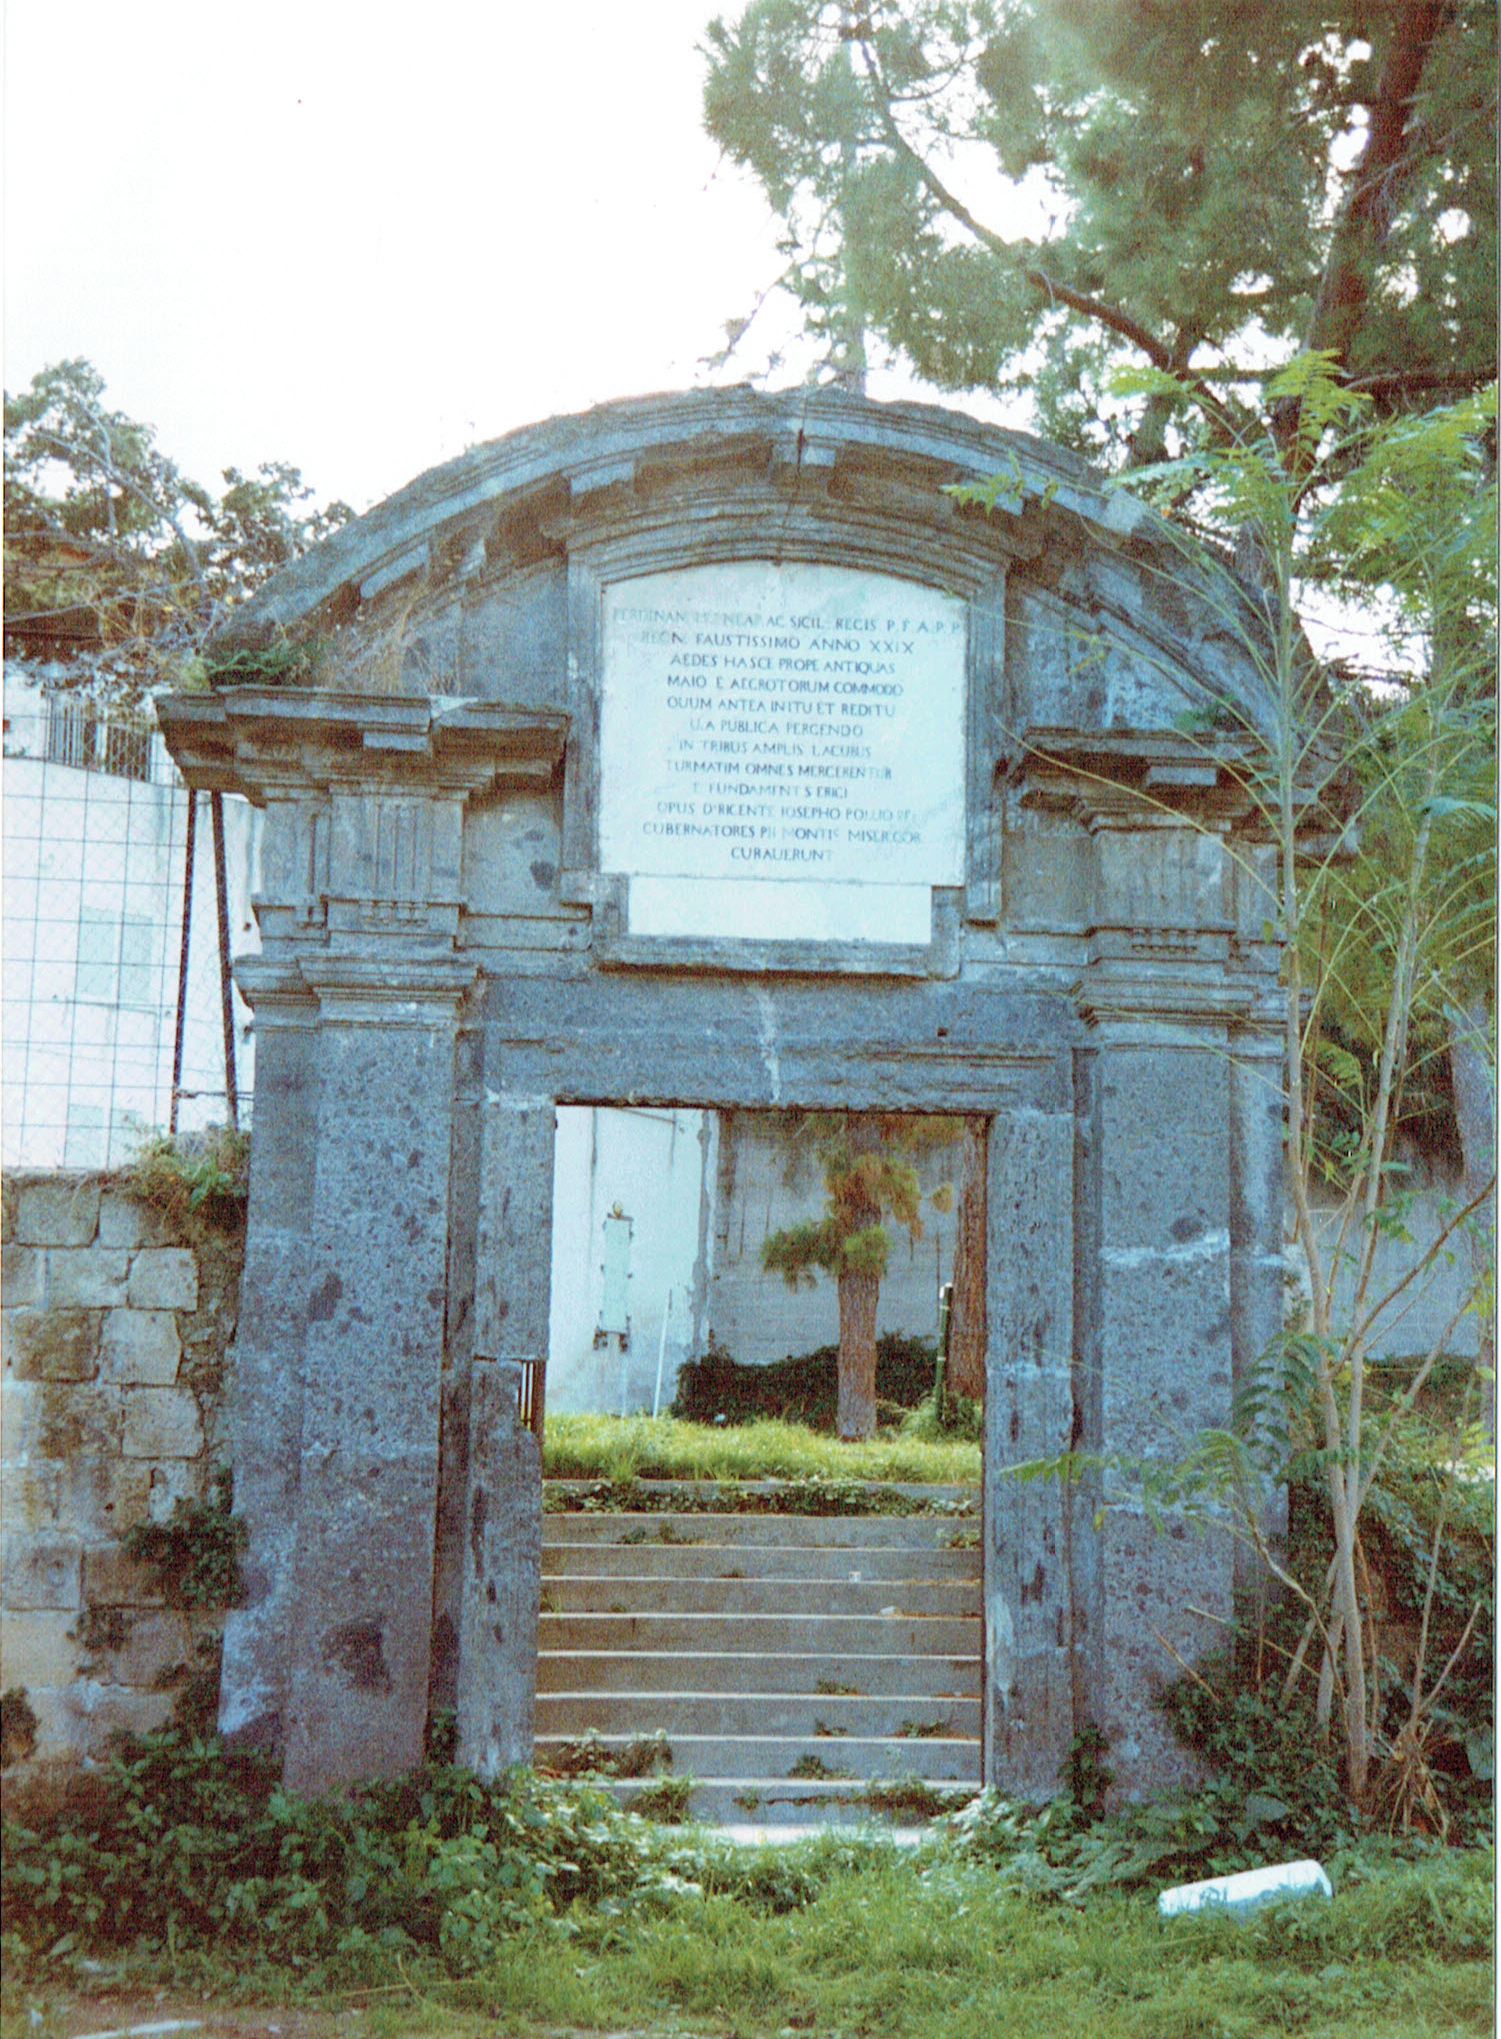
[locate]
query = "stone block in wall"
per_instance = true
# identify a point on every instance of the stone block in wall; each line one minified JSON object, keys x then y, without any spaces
{"x":31,"y":1495}
{"x":161,"y":1423}
{"x":38,"y":1648}
{"x":140,"y":1347}
{"x":23,"y":1276}
{"x":64,"y":1420}
{"x":21,"y":1414}
{"x":171,"y":1481}
{"x":10,"y":1198}
{"x":163,"y":1278}
{"x":111,"y":1578}
{"x":92,"y":1715}
{"x":41,"y":1569}
{"x":57,"y":1213}
{"x":89,"y":1277}
{"x":102,"y":1496}
{"x":124,"y":1220}
{"x":152,"y":1644}
{"x":51,"y":1345}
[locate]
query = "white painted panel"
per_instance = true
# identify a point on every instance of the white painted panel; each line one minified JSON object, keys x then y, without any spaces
{"x":768,"y":911}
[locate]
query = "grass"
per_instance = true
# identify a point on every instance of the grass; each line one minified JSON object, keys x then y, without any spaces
{"x":926,"y":1948}
{"x":593,"y":1447}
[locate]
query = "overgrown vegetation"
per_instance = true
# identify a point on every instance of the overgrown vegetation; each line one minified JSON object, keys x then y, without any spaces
{"x":623,"y":1449}
{"x":527,"y":1902}
{"x":196,"y":1552}
{"x":1401,"y":513}
{"x":803,"y":1387}
{"x":187,"y":1176}
{"x":18,"y":1725}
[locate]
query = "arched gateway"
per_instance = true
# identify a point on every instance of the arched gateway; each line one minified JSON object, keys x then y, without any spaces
{"x":705,"y":750}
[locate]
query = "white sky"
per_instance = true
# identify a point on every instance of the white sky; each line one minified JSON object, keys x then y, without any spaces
{"x":360,"y":237}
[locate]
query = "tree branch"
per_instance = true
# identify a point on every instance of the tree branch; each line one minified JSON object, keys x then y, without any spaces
{"x":1115,"y":320}
{"x":1365,"y":218}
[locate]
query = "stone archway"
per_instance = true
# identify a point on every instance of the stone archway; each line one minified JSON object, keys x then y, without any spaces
{"x":500,"y":875}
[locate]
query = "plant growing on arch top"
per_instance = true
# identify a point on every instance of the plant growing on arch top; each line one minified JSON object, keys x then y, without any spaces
{"x":868,"y":1177}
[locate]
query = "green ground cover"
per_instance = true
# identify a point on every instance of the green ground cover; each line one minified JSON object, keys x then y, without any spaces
{"x":594,"y":1447}
{"x":525,"y":1906}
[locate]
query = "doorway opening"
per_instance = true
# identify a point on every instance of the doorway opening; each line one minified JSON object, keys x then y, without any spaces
{"x":731,"y":1262}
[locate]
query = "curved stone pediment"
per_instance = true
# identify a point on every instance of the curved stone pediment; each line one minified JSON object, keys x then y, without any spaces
{"x":458,"y":583}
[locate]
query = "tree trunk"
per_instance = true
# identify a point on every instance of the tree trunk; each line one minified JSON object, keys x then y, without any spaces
{"x":967,"y":1329}
{"x":857,"y":1353}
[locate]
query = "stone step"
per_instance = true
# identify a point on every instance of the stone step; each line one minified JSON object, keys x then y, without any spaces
{"x":923,"y":1598}
{"x":570,"y":1716}
{"x":836,"y":1635}
{"x":789,"y":1532}
{"x":667,"y":1669}
{"x":756,"y":1561}
{"x":804,"y":1802}
{"x":714,"y":1757}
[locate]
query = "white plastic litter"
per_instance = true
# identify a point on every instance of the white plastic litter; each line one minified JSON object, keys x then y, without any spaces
{"x":1250,"y":1887}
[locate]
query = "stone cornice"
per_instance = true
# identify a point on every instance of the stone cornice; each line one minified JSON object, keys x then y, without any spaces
{"x":317,"y":987}
{"x":269,"y":742}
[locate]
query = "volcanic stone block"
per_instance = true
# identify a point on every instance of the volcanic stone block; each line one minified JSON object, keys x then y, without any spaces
{"x":1029,"y":1415}
{"x":266,"y":1418}
{"x":502,"y":1579}
{"x":363,"y":1595}
{"x":1172,"y":1601}
{"x":514,"y":1250}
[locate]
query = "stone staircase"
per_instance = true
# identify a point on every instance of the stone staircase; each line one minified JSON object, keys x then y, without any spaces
{"x":790,"y":1661}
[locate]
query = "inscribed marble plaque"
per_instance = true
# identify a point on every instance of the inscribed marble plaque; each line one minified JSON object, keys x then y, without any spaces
{"x":782,"y":751}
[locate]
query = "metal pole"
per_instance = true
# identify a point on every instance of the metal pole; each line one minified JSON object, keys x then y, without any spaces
{"x":182,"y":959}
{"x":226,"y":982}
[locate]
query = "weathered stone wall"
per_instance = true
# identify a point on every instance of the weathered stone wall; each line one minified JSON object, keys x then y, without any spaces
{"x":116,"y":1330}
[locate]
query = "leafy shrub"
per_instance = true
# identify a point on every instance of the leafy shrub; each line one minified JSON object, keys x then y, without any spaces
{"x":802,"y":1388}
{"x":195,"y":1553}
{"x":938,"y":1417}
{"x":196,"y":1845}
{"x":203,"y":1175}
{"x":18,"y":1725}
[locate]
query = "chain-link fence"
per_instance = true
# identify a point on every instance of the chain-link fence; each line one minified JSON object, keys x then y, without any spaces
{"x":112,"y":1024}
